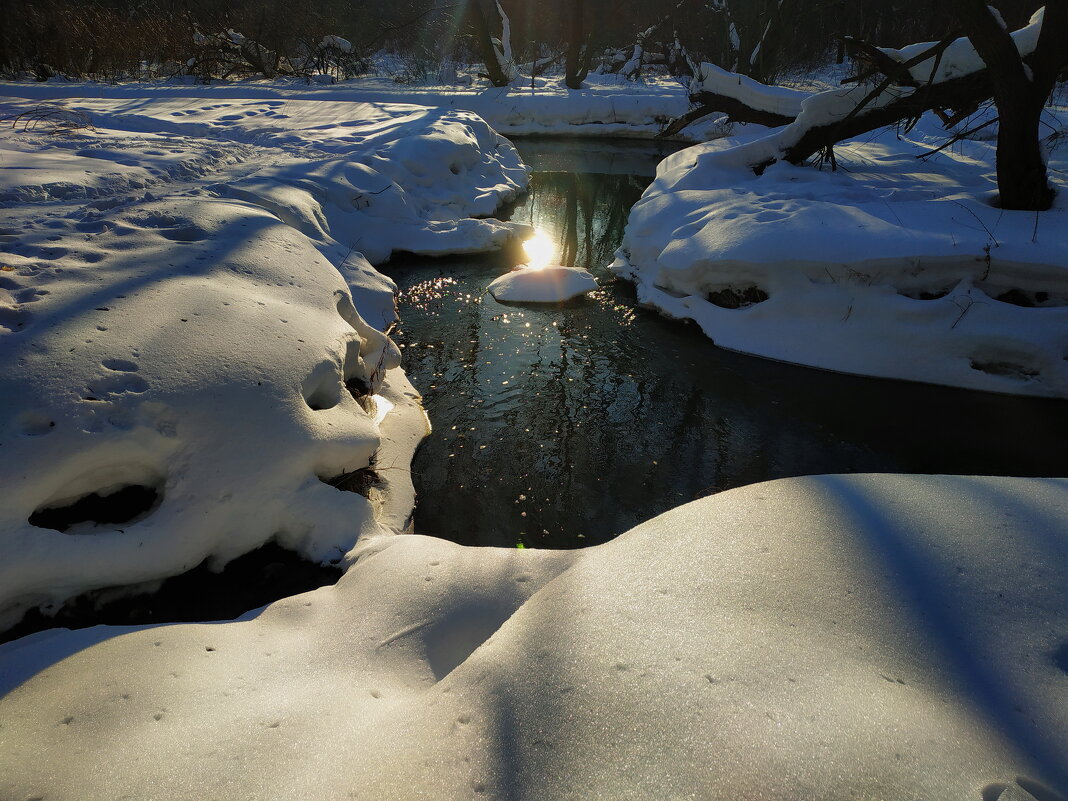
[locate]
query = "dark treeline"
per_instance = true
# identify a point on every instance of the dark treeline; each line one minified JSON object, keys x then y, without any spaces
{"x":131,"y":39}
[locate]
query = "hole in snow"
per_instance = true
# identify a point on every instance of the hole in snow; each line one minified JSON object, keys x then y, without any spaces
{"x":106,"y":507}
{"x":35,"y":424}
{"x":259,"y":577}
{"x":322,"y":388}
{"x":1008,"y":369}
{"x":1029,"y":300}
{"x":361,"y":481}
{"x":925,"y":294}
{"x":361,"y":392}
{"x":185,"y":233}
{"x":741,"y":297}
{"x":459,"y":634}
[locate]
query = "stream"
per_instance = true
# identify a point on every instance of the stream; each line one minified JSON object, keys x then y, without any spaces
{"x":561,"y":426}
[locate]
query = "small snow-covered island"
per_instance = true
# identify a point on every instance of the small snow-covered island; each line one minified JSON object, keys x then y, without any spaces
{"x":526,"y":399}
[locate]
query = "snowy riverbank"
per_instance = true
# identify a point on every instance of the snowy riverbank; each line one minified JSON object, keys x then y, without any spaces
{"x":831,"y":637}
{"x":184,"y":368}
{"x":606,"y":106}
{"x":891,"y":266}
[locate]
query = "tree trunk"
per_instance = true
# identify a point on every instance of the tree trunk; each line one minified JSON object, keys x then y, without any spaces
{"x":577,"y":61}
{"x":1019,"y":96}
{"x":484,"y":42}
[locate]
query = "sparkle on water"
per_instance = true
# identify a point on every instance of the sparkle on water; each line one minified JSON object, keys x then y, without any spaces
{"x":563,"y":425}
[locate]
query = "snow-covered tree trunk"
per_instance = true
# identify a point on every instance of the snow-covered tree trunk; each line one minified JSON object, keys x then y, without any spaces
{"x":503,"y":51}
{"x":491,"y":54}
{"x":632,"y":69}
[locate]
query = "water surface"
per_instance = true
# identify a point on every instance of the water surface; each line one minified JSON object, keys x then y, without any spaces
{"x":565,"y":425}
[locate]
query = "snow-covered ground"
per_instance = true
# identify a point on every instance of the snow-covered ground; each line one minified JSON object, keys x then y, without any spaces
{"x":891,"y":266}
{"x":607,"y":105}
{"x":832,"y":637}
{"x":189,"y":315}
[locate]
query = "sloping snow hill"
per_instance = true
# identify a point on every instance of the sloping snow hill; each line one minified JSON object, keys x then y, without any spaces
{"x":192,"y":329}
{"x":836,"y":637}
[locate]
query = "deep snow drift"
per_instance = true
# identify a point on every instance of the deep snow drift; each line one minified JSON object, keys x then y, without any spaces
{"x":890,"y":266}
{"x":834,"y":637}
{"x":180,"y":335}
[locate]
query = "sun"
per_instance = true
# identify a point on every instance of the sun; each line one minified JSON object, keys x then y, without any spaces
{"x":539,"y":249}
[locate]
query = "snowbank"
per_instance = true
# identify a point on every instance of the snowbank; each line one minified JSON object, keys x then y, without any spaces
{"x":542,"y":284}
{"x":819,"y":638}
{"x":890,"y":266}
{"x":607,"y":105}
{"x":183,"y":365}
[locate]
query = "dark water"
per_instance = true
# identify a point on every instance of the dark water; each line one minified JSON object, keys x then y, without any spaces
{"x":563,"y":426}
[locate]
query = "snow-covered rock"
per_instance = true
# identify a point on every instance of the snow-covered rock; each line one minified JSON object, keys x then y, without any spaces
{"x":890,"y":266}
{"x":826,"y":638}
{"x":191,"y":328}
{"x":542,"y":284}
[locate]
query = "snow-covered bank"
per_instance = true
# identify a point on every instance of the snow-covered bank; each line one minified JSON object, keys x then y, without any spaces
{"x":820,"y":638}
{"x":179,"y":331}
{"x":606,"y":106}
{"x":890,"y":266}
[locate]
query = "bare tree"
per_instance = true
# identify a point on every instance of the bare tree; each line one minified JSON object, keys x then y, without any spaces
{"x":1020,"y":89}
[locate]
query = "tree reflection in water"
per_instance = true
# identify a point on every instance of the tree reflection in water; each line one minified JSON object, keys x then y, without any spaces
{"x":565,"y":425}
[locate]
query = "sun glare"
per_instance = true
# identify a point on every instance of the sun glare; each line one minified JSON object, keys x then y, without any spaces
{"x":539,"y":249}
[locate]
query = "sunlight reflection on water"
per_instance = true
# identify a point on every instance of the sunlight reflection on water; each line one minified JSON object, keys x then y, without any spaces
{"x":563,"y":425}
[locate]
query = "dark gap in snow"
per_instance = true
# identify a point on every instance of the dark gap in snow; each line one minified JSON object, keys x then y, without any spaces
{"x":737,"y":297}
{"x":249,"y":582}
{"x":1029,"y":299}
{"x":360,"y":481}
{"x":1006,"y":368}
{"x":925,"y":294}
{"x":361,"y":392}
{"x":124,"y":505}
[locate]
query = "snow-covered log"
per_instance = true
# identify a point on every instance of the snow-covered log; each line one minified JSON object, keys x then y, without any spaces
{"x":945,"y":75}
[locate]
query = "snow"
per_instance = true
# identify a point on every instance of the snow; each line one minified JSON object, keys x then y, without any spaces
{"x":336,"y":43}
{"x":606,"y":106}
{"x":773,"y":99}
{"x":184,"y":289}
{"x":890,"y":266}
{"x":533,"y":284}
{"x":826,"y":637}
{"x":960,"y":58}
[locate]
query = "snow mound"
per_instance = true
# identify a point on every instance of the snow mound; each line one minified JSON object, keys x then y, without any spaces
{"x":828,"y":638}
{"x":542,"y":284}
{"x":891,"y":266}
{"x":192,"y":357}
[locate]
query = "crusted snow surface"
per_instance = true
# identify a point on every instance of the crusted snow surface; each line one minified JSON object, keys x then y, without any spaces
{"x":890,"y":266}
{"x":181,"y":349}
{"x":831,"y":637}
{"x":551,"y":284}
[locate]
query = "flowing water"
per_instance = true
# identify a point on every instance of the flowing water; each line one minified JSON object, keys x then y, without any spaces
{"x":564,"y":425}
